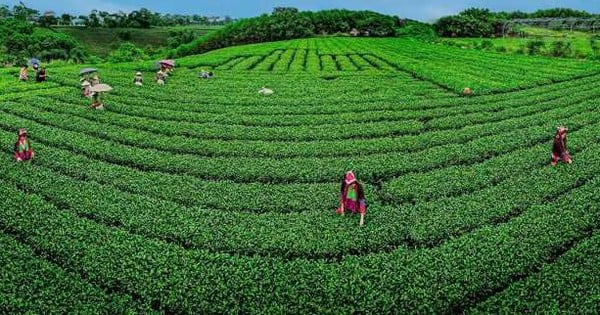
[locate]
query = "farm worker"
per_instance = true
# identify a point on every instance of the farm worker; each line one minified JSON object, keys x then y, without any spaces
{"x":96,"y":104}
{"x":559,"y":148}
{"x":206,"y":74}
{"x":265,"y":91}
{"x":41,"y":75}
{"x":160,"y":77}
{"x":23,"y":147}
{"x":23,"y":76}
{"x":138,"y":80}
{"x":95,"y":80}
{"x":352,"y":197}
{"x":467,"y":91}
{"x":85,"y":89}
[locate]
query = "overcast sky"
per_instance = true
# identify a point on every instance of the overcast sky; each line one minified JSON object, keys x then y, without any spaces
{"x":423,"y":10}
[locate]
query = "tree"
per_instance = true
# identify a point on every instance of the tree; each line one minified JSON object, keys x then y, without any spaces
{"x":5,"y":12}
{"x":66,"y":19}
{"x":93,"y":19}
{"x":472,"y":22}
{"x":48,"y":19}
{"x":23,"y":13}
{"x":142,"y":18}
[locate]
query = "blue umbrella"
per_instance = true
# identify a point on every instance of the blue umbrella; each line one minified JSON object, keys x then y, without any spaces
{"x":34,"y":61}
{"x":87,"y":70}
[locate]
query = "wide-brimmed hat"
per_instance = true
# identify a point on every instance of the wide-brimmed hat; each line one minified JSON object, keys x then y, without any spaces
{"x":561,"y":129}
{"x":85,"y":83}
{"x":350,"y":178}
{"x":138,"y":74}
{"x":22,"y":131}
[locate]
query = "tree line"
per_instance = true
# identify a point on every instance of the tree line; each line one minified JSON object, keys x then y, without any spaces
{"x":20,"y":40}
{"x":476,"y":22}
{"x":289,"y":23}
{"x":142,"y":18}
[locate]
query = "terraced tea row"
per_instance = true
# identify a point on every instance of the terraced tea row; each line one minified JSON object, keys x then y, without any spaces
{"x":202,"y":196}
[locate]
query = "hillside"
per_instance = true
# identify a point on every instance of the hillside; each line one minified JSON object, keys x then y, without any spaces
{"x":102,"y":41}
{"x":203,"y":196}
{"x":580,"y":44}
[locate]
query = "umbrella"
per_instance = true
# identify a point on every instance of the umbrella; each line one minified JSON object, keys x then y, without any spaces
{"x":168,"y":62}
{"x":34,"y":61}
{"x":87,"y":70}
{"x":101,"y":88}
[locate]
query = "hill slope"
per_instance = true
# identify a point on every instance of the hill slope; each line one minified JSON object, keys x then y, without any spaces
{"x":202,"y":196}
{"x":101,"y":41}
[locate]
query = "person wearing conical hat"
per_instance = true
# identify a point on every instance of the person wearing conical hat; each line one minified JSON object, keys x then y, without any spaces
{"x":138,"y":80}
{"x":86,"y":89}
{"x":95,"y":80}
{"x":41,"y":75}
{"x":559,"y":147}
{"x":160,"y":77}
{"x":24,"y":75}
{"x":352,"y":197}
{"x":206,"y":74}
{"x":96,"y":103}
{"x":23,"y":149}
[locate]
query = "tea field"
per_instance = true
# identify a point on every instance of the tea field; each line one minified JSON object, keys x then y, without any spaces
{"x":203,"y":196}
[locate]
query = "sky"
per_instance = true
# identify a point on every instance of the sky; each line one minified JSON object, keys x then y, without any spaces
{"x":423,"y":10}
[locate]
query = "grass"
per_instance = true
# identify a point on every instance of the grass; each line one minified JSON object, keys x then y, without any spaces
{"x":580,"y":41}
{"x":202,"y":196}
{"x":101,"y":41}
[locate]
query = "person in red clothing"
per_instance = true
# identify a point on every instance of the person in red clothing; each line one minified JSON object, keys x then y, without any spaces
{"x":559,"y":148}
{"x":23,"y":148}
{"x":352,"y":197}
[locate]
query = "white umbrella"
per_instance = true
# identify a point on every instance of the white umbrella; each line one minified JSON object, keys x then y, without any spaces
{"x":101,"y":88}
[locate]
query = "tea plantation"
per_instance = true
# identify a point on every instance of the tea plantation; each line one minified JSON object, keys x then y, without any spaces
{"x":203,"y":196}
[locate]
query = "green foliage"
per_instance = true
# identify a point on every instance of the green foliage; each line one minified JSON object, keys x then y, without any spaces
{"x":416,"y":29}
{"x":468,"y":23}
{"x":180,"y":37}
{"x":535,"y":47}
{"x":202,"y":196}
{"x":22,"y":41}
{"x":124,"y":35}
{"x":127,"y":52}
{"x":561,"y":49}
{"x":595,"y":45}
{"x":476,"y":22}
{"x":289,"y":23}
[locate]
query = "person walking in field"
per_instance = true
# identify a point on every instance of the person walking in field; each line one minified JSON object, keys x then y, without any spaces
{"x":559,"y":147}
{"x":265,"y":91}
{"x":138,"y":80}
{"x":206,"y":74}
{"x":41,"y":75}
{"x":352,"y":197}
{"x":95,"y":80}
{"x":24,"y":75}
{"x":160,"y":77}
{"x":96,"y":104}
{"x":23,"y":149}
{"x":86,"y":89}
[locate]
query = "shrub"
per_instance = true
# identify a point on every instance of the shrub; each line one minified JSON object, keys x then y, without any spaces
{"x":127,"y":52}
{"x":535,"y":47}
{"x":124,"y":35}
{"x":561,"y":49}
